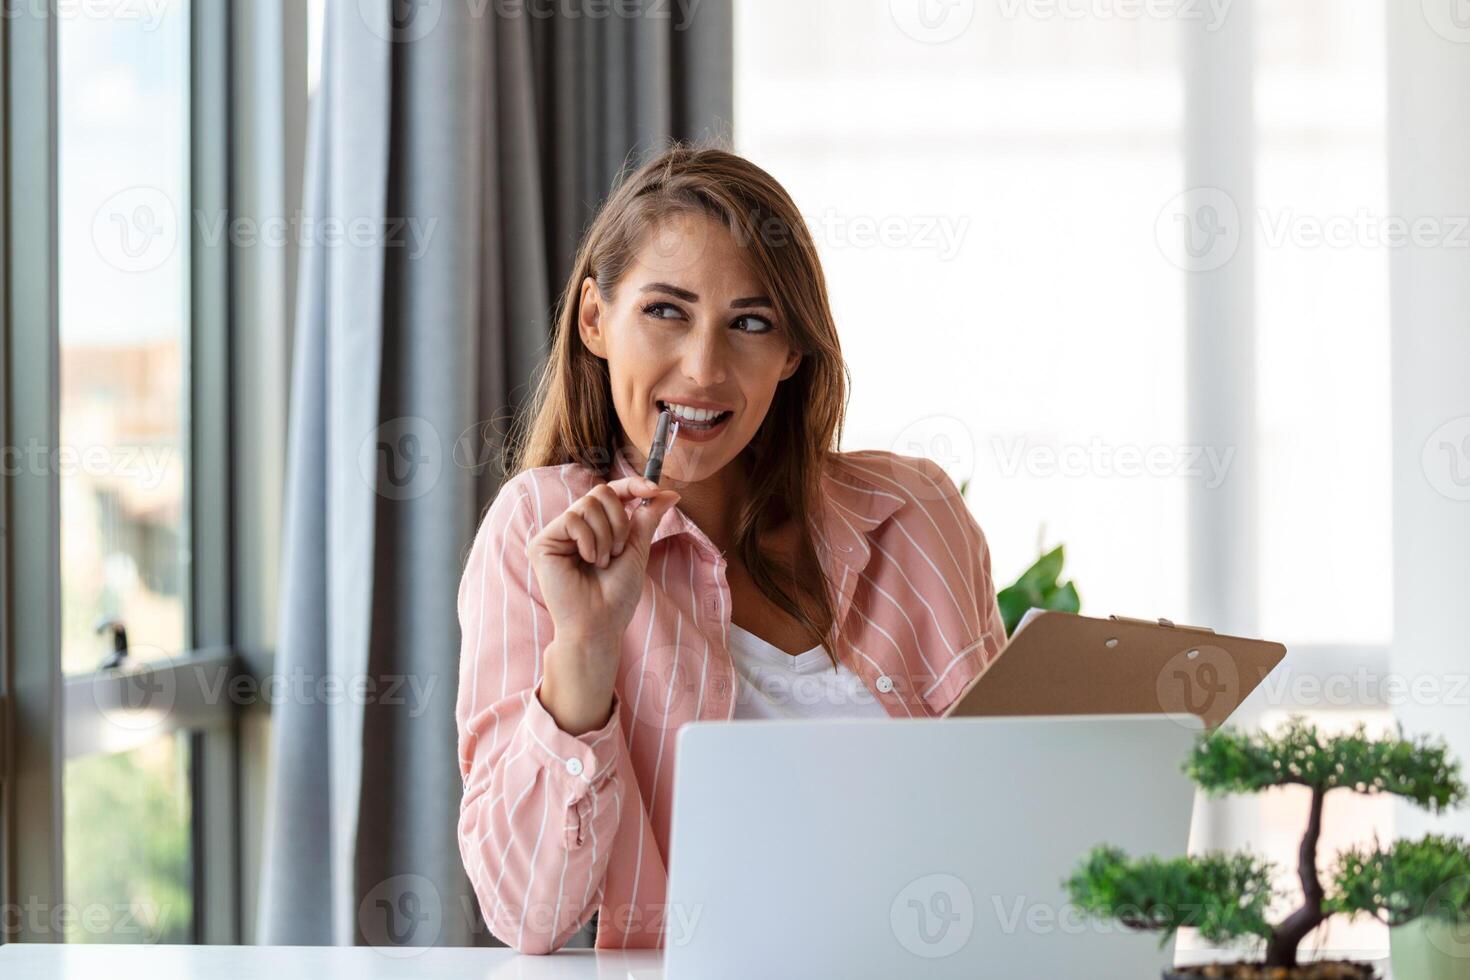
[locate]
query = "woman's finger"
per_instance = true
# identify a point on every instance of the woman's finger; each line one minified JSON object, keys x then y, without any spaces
{"x":578,"y":530}
{"x":592,"y":511}
{"x":645,"y":520}
{"x":631,"y":487}
{"x":617,"y":516}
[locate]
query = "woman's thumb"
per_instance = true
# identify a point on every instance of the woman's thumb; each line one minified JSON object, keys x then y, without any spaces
{"x":645,"y":519}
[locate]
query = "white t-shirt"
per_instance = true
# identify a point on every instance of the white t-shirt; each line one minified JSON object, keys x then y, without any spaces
{"x":775,"y":684}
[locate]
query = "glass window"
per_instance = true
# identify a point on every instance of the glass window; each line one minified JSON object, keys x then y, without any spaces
{"x":123,"y":129}
{"x":129,"y":866}
{"x":124,"y":247}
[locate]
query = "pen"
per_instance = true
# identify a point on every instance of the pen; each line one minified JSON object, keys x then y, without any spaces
{"x":663,"y":440}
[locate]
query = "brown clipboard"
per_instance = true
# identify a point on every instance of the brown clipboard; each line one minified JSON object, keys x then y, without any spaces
{"x":1066,"y":664}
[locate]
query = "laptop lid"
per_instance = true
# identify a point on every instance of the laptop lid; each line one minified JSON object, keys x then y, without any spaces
{"x":914,"y":848}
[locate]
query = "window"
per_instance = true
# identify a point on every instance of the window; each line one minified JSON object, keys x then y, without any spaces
{"x":123,"y":142}
{"x":124,"y":146}
{"x":129,"y":865}
{"x":117,"y":395}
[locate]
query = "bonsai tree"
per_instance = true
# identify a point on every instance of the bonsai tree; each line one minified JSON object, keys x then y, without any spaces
{"x":1398,"y":884}
{"x":1226,"y":897}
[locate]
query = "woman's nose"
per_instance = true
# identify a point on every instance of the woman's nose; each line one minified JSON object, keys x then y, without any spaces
{"x":705,"y":357}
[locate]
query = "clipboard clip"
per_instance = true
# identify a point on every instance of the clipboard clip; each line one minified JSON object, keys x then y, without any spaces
{"x":1161,"y":621}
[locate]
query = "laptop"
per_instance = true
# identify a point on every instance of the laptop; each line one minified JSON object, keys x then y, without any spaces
{"x":915,"y":847}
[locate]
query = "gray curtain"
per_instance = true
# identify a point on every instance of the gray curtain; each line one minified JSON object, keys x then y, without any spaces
{"x":457,"y":150}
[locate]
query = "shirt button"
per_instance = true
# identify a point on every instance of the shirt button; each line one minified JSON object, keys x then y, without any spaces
{"x":574,"y":766}
{"x":885,"y":684}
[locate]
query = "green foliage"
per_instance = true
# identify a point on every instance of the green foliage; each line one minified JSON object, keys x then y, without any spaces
{"x":1227,"y":897}
{"x":128,"y":861}
{"x":1429,"y":877}
{"x":1224,"y":896}
{"x":1420,"y":769}
{"x":1038,"y":587}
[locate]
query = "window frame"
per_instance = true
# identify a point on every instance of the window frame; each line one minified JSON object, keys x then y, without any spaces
{"x":32,"y":642}
{"x":47,"y":718}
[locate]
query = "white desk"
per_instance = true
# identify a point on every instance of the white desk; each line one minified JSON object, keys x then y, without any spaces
{"x":35,"y":962}
{"x":19,"y":961}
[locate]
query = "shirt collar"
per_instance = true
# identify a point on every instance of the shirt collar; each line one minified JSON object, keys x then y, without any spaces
{"x":851,"y":507}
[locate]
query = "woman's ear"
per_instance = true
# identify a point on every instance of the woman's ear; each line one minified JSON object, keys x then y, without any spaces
{"x":590,"y":319}
{"x":792,"y":361}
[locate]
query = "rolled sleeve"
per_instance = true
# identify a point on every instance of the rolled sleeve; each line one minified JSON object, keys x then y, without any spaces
{"x":577,"y":762}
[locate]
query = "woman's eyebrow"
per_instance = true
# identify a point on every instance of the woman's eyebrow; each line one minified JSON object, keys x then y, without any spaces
{"x":689,"y":297}
{"x":664,"y":287}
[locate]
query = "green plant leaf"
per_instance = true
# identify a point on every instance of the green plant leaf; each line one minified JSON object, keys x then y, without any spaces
{"x":1297,"y":753}
{"x":1013,"y":603}
{"x":1037,"y":588}
{"x":1064,"y":599}
{"x":1043,"y":575}
{"x":1411,"y":878}
{"x":1223,"y":896}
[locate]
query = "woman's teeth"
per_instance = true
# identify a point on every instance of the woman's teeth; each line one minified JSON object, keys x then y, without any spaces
{"x":697,"y":418}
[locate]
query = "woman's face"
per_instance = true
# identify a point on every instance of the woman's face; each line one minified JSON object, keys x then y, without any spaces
{"x":689,"y":325}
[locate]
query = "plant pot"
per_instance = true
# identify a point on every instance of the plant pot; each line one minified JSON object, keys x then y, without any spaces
{"x":1324,"y":970}
{"x":1430,"y":949}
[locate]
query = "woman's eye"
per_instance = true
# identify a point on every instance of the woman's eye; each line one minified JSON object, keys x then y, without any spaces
{"x":657,"y":310}
{"x":754,"y":324}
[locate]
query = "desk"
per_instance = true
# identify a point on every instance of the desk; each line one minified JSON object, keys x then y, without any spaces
{"x":21,"y":961}
{"x":35,"y":962}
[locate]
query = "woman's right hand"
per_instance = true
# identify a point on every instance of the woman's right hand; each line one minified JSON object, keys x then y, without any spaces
{"x":590,"y":562}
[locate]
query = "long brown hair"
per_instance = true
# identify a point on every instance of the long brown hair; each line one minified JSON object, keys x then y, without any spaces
{"x":571,"y":416}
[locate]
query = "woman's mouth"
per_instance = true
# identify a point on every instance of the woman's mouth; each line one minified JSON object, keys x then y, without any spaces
{"x":696,"y":424}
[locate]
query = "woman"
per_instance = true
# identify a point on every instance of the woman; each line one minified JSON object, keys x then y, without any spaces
{"x":781,"y":578}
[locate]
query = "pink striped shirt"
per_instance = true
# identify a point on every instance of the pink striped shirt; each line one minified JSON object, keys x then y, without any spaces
{"x":554,"y":826}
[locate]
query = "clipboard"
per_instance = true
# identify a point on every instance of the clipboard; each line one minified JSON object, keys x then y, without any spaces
{"x":1065,"y":664}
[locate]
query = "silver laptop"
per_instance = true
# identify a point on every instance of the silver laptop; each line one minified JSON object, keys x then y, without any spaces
{"x":914,"y":848}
